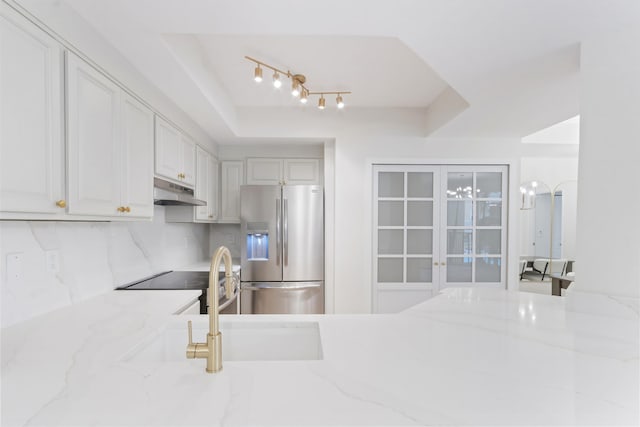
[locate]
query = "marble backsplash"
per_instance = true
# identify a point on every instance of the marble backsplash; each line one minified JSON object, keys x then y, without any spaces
{"x":92,"y":258}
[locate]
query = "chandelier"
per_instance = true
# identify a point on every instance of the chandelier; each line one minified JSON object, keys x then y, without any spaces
{"x":298,"y":81}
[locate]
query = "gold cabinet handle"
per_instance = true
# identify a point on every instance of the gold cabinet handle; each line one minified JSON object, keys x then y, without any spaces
{"x":120,"y":209}
{"x":127,"y":209}
{"x":61,"y":204}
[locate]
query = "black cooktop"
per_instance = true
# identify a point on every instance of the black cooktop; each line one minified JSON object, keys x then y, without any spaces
{"x":172,"y":280}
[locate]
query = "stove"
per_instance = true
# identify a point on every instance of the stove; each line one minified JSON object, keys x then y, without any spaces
{"x":185,"y":280}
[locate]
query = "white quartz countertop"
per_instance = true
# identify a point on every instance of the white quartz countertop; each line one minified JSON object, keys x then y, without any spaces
{"x":206,"y":265}
{"x":466,"y":357}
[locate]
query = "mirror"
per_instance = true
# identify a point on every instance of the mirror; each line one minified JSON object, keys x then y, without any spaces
{"x":535,"y":207}
{"x":565,"y":206}
{"x":547,"y":232}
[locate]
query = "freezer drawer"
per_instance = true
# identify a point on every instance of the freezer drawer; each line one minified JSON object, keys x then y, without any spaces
{"x":282,"y":298}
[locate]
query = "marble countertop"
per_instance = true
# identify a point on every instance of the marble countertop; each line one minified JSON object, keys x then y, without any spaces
{"x":206,"y":265}
{"x":465,"y":357}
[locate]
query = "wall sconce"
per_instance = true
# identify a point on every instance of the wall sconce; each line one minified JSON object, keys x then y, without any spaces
{"x":298,"y":88}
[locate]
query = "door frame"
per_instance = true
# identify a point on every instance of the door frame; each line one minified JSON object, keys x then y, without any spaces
{"x":511,"y":220}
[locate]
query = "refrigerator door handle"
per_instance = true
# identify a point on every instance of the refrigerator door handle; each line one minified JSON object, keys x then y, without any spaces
{"x":286,"y":232}
{"x":278,"y":233}
{"x":261,"y":286}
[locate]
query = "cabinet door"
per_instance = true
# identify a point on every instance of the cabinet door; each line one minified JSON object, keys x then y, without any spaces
{"x":264,"y":171}
{"x":301,"y":171}
{"x":137,"y":158}
{"x":202,"y":184}
{"x":31,"y":144}
{"x":188,"y":161}
{"x":93,"y":140}
{"x":231,"y":180}
{"x":168,"y":150}
{"x":212,"y":180}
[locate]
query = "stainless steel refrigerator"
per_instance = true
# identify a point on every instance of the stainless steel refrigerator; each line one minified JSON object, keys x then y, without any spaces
{"x":282,"y":229}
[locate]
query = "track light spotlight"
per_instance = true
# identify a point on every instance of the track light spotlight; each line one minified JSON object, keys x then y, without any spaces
{"x":276,"y":80}
{"x":257,"y":74}
{"x":298,"y":84}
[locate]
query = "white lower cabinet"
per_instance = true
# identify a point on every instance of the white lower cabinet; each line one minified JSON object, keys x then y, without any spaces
{"x":110,"y":143}
{"x":231,"y":178}
{"x":31,"y":121}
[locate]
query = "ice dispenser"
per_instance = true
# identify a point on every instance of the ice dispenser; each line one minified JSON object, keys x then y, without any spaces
{"x":257,"y":244}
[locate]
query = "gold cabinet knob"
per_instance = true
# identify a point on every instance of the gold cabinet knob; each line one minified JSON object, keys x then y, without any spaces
{"x":443,"y":263}
{"x":120,"y":209}
{"x":127,"y":209}
{"x":61,"y":204}
{"x":210,"y":216}
{"x":435,"y":263}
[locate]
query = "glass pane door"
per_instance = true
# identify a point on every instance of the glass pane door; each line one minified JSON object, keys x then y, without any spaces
{"x":473,"y":241}
{"x":405,"y":217}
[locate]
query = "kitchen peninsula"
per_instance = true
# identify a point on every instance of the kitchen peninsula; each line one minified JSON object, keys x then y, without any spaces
{"x":465,"y":357}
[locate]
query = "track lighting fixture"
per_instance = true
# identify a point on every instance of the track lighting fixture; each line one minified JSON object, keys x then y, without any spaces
{"x":321,"y":102}
{"x":298,"y":81}
{"x":276,"y":80}
{"x":257,"y":74}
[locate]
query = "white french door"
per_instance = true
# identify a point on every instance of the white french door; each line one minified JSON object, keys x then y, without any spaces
{"x":436,"y":227}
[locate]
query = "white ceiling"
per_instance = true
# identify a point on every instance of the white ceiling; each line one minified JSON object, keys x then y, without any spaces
{"x":379,"y":71}
{"x":515,"y":63}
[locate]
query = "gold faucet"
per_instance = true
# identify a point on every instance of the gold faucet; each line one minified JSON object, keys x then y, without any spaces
{"x":212,"y":349}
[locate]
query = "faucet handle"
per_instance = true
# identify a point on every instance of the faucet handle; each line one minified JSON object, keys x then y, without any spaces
{"x":190,"y":332}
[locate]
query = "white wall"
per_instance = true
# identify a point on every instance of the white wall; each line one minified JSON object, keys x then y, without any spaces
{"x":94,"y":258}
{"x":353,"y":187}
{"x":608,"y":232}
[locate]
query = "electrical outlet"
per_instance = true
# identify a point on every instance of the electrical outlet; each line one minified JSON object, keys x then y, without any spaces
{"x":52,"y":261}
{"x":14,"y":268}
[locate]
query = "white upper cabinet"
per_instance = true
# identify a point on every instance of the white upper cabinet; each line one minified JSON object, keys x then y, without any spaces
{"x":188,"y":161}
{"x":110,"y":146}
{"x":283,"y":171}
{"x":264,"y":171}
{"x":175,"y":154}
{"x":137,"y":158}
{"x":206,"y":186}
{"x":232,"y":177}
{"x":213,"y":181}
{"x":93,"y":123}
{"x":206,"y":189}
{"x":31,"y":120}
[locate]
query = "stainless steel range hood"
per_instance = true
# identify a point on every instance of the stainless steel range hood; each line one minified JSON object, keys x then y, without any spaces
{"x":170,"y":194}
